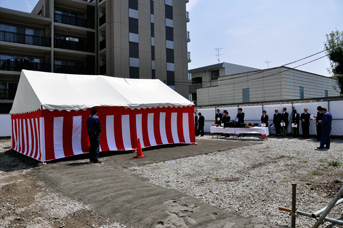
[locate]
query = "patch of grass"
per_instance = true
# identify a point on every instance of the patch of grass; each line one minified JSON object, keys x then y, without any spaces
{"x":321,"y":160}
{"x":334,"y":163}
{"x":261,"y":151}
{"x":298,"y":153}
{"x":290,"y":165}
{"x":216,"y":179}
{"x":305,"y":161}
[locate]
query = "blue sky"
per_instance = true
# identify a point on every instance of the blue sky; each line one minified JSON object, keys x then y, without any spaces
{"x":252,"y":32}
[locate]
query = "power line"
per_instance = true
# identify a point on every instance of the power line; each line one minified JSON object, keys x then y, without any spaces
{"x":304,"y":58}
{"x":259,"y":71}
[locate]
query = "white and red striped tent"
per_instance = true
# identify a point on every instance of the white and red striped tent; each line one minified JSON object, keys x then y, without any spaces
{"x":50,"y":110}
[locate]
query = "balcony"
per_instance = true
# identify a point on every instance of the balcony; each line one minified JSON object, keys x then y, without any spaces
{"x":79,"y":45}
{"x":24,"y":39}
{"x":70,"y":20}
{"x":72,"y":69}
{"x":187,"y":1}
{"x":19,"y":65}
{"x":102,"y":20}
{"x":187,"y":16}
{"x":189,"y":56}
{"x":188,"y":36}
{"x":102,"y":44}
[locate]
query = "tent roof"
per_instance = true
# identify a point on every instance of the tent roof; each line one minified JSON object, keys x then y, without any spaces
{"x":54,"y":91}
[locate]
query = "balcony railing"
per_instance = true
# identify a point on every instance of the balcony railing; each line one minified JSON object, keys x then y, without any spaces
{"x":102,"y":44}
{"x":188,"y":36}
{"x":102,"y":20}
{"x":72,"y":69}
{"x":81,"y":45}
{"x":65,"y":19}
{"x":19,"y":65}
{"x":189,"y":56}
{"x":187,"y":16}
{"x":24,"y":39}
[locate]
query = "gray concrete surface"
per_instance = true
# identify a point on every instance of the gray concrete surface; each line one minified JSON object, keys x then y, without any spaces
{"x":116,"y":193}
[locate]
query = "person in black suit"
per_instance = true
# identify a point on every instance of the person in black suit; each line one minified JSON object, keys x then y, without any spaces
{"x":318,"y":123}
{"x":284,"y":119}
{"x":94,"y":130}
{"x":305,"y":123}
{"x":201,"y":125}
{"x":277,"y":121}
{"x":295,"y":120}
{"x":219,"y":117}
{"x":196,"y":123}
{"x":226,"y":118}
{"x":264,"y":118}
{"x":240,"y":116}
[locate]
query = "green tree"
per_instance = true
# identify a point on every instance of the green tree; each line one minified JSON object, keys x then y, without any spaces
{"x":334,"y":49}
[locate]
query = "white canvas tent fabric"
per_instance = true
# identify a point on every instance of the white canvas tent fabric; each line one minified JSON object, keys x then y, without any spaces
{"x":51,"y":91}
{"x":50,"y":111}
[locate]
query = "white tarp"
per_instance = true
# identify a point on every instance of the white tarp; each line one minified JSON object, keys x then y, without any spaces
{"x":54,"y":91}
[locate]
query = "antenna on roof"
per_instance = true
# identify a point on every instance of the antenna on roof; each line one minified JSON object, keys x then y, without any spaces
{"x":218,"y":53}
{"x":267,"y":62}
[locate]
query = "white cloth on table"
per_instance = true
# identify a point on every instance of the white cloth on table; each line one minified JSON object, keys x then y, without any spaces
{"x":237,"y":131}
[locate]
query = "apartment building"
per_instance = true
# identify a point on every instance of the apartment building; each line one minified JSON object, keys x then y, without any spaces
{"x":121,"y":38}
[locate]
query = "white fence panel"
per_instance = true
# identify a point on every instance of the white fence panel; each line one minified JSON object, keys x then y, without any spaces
{"x":253,"y":114}
{"x":5,"y":125}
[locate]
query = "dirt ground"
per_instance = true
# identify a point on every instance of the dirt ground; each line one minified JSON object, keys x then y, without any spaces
{"x":74,"y":193}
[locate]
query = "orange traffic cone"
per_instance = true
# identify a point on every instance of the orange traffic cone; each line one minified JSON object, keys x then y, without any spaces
{"x":139,"y":150}
{"x":264,"y":136}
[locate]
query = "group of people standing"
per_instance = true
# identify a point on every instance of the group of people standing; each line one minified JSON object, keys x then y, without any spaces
{"x":281,"y":122}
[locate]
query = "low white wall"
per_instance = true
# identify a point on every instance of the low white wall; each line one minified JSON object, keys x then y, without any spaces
{"x":5,"y":125}
{"x":253,"y":114}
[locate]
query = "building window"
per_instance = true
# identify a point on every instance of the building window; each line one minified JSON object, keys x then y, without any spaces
{"x":17,"y":63}
{"x":170,"y":55}
{"x":171,"y":78}
{"x":7,"y":90}
{"x":301,"y":92}
{"x":169,"y":33}
{"x":133,"y":4}
{"x":326,"y":93}
{"x":169,"y":11}
{"x":133,"y":25}
{"x":246,"y":95}
{"x":153,"y":74}
{"x":152,"y":6}
{"x":214,"y":74}
{"x":134,"y":72}
{"x":133,"y":50}
{"x":152,"y":28}
{"x":152,"y":53}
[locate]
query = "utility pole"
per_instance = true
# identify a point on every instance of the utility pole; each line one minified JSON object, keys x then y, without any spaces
{"x":218,"y":53}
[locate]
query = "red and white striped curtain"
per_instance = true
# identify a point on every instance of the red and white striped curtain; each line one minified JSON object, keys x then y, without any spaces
{"x":46,"y":135}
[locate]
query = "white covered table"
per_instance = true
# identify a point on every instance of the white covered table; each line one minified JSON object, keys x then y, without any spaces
{"x":238,"y":131}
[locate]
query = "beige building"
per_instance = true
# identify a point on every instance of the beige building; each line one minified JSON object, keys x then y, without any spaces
{"x":208,"y":76}
{"x":274,"y":84}
{"x":122,"y":38}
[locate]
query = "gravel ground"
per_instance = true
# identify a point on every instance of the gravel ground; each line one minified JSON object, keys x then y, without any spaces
{"x":27,"y":202}
{"x":256,"y":180}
